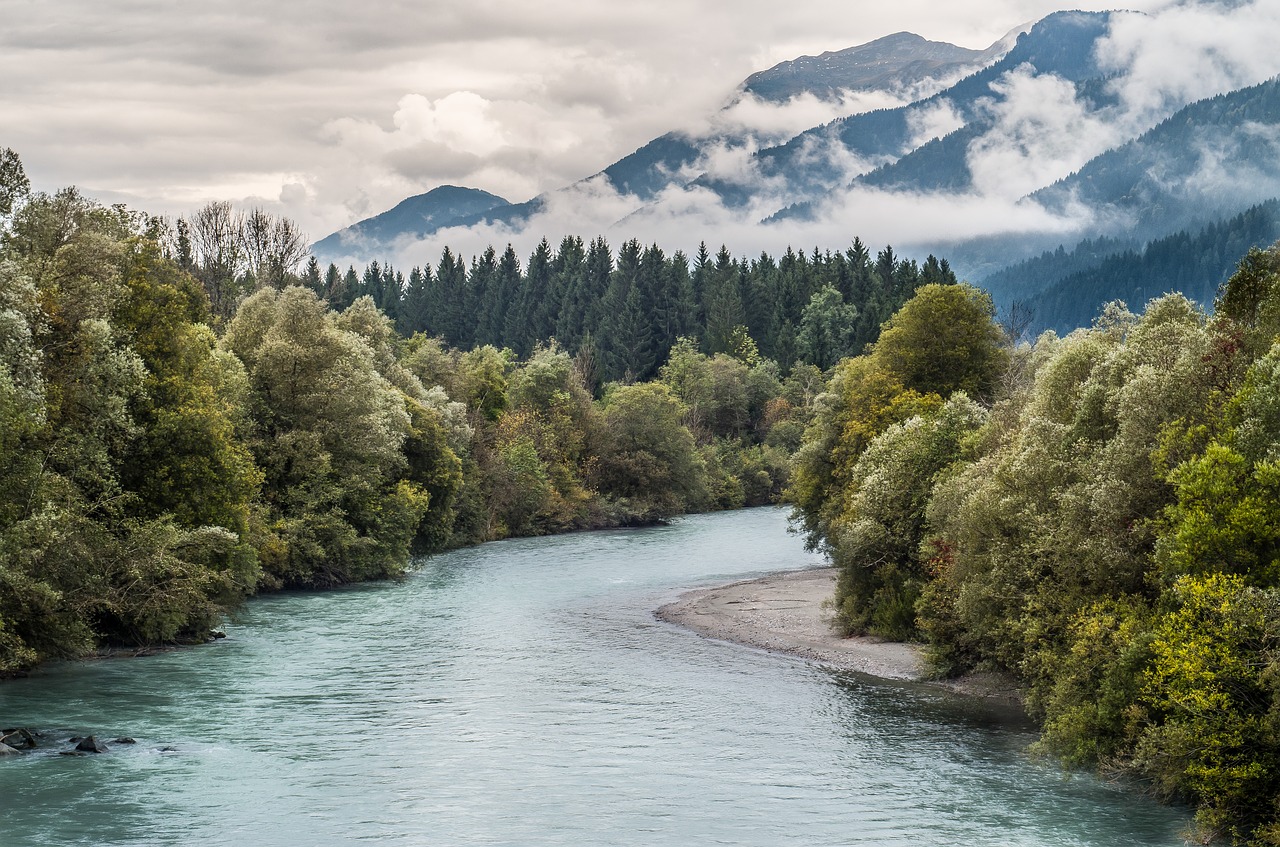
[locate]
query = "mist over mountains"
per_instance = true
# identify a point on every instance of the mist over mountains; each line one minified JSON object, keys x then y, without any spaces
{"x":1116,"y":128}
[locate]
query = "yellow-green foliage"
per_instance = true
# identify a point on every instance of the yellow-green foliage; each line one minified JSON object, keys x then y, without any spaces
{"x":1214,"y":736}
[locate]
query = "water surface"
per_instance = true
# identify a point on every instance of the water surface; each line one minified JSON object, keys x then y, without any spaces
{"x":521,"y":693}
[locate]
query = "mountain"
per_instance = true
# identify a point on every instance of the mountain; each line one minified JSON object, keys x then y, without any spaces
{"x":1164,"y":212}
{"x":896,"y":61}
{"x":416,"y":217}
{"x":1209,"y":157}
{"x":1062,"y":44}
{"x":1155,"y":200}
{"x":893,"y":63}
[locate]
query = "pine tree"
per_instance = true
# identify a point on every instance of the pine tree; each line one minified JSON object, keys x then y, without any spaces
{"x":723,"y":304}
{"x":569,"y":272}
{"x":450,"y":298}
{"x":414,"y":316}
{"x":598,"y":273}
{"x":484,"y":278}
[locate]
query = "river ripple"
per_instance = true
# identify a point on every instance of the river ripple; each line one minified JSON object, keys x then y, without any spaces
{"x":521,"y":693}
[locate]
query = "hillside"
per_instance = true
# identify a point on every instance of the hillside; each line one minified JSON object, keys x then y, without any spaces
{"x":416,"y":216}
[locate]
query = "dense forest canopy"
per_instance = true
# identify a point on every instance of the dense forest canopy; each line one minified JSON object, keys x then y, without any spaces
{"x":1097,"y":515}
{"x":190,"y":413}
{"x":630,"y":307}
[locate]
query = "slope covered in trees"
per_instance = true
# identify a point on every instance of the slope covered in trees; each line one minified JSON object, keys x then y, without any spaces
{"x":1097,"y":515}
{"x":1063,"y":288}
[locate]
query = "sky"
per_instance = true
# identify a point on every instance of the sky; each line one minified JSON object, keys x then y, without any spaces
{"x":329,"y":111}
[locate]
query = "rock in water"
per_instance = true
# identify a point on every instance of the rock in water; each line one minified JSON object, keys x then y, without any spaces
{"x":91,"y":745}
{"x":6,"y":750}
{"x":19,"y":738}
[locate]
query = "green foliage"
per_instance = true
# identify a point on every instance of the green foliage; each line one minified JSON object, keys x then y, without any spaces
{"x":876,"y":537}
{"x":14,"y":185}
{"x":1251,"y":297}
{"x":649,"y":467}
{"x":629,"y":311}
{"x":329,"y":436}
{"x":1093,"y":712}
{"x":944,"y":339}
{"x":827,"y":328}
{"x":862,"y":400}
{"x":124,"y":487}
{"x":1106,"y":530}
{"x":154,"y":472}
{"x":1212,"y":688}
{"x":1226,"y":518}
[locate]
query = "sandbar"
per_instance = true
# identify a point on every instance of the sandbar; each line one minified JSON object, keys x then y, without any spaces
{"x":789,"y":612}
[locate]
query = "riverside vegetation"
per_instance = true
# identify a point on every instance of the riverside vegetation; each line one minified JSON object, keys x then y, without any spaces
{"x":186,"y":420}
{"x":1096,"y":514}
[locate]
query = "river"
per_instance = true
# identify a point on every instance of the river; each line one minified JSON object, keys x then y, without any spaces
{"x":521,"y":693}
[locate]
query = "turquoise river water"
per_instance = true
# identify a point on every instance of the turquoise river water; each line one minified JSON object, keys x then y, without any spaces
{"x":521,"y":693}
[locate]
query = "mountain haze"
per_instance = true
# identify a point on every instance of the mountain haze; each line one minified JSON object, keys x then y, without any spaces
{"x":414,"y":217}
{"x":1129,"y":135}
{"x":894,"y":63}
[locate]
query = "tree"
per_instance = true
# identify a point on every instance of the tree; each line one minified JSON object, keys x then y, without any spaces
{"x":14,"y":185}
{"x":877,"y":536}
{"x":826,"y":328}
{"x":943,"y":340}
{"x":648,"y":465}
{"x":330,"y":433}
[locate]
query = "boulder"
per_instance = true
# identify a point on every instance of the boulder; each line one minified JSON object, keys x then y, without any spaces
{"x":6,"y":750}
{"x":19,"y":737}
{"x":91,"y":745}
{"x":124,"y":739}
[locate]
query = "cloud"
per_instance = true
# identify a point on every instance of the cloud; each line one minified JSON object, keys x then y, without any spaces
{"x":773,"y":123}
{"x":932,"y":120}
{"x":1040,"y":132}
{"x":169,"y":105}
{"x":1188,"y":52}
{"x":1039,"y":129}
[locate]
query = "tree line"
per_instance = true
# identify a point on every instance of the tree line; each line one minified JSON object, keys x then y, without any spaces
{"x":1064,"y":288}
{"x":1097,"y":515}
{"x":629,"y":308}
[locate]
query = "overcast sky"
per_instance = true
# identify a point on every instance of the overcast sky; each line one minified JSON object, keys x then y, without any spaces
{"x":332,"y":111}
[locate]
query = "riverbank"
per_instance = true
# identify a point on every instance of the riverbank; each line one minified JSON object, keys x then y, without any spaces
{"x":787,"y":613}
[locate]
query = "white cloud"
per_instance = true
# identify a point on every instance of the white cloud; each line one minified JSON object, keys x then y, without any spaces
{"x":1188,"y":52}
{"x":1040,"y":133}
{"x":932,"y":120}
{"x":168,"y":105}
{"x":773,"y":123}
{"x":1042,"y":130}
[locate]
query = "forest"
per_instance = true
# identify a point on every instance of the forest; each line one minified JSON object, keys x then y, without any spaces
{"x":1069,"y":285}
{"x":190,"y":414}
{"x":1097,"y":515}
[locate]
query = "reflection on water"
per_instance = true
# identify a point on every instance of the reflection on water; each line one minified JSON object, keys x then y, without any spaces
{"x":521,"y":693}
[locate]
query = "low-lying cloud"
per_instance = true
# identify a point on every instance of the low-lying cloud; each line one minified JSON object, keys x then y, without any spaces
{"x":1039,"y":130}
